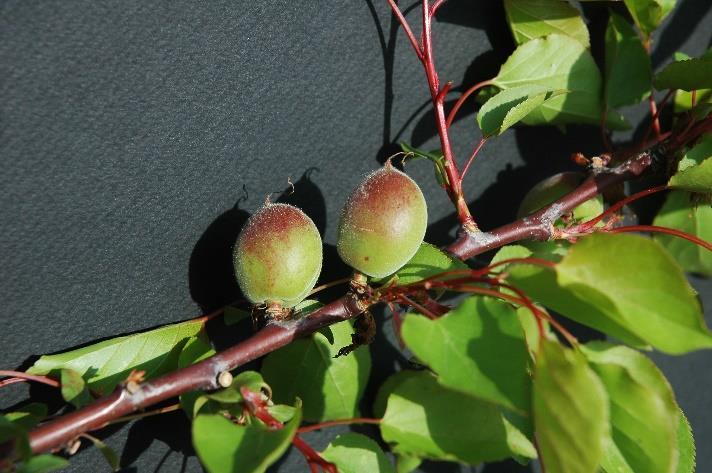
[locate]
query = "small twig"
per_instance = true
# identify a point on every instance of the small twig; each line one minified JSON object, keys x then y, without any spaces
{"x":406,"y":27}
{"x":472,"y":157}
{"x":408,"y":301}
{"x":330,"y":284}
{"x":463,"y":98}
{"x":323,"y":425}
{"x":616,"y":207}
{"x":312,"y":457}
{"x":162,"y":410}
{"x":668,"y":231}
{"x":19,"y":376}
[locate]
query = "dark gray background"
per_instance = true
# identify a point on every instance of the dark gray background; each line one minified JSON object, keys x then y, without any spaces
{"x":136,"y":136}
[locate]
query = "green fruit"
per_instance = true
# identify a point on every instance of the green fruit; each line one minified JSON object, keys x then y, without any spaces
{"x":383,"y":223}
{"x":278,"y":256}
{"x":555,"y":187}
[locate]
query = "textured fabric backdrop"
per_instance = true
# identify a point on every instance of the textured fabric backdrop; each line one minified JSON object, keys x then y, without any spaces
{"x":136,"y":137}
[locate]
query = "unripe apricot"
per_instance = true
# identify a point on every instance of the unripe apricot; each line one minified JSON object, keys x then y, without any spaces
{"x":278,"y":256}
{"x":383,"y":223}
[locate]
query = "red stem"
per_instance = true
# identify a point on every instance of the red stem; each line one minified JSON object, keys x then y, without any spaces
{"x":472,"y":157}
{"x":17,"y":376}
{"x":312,"y":457}
{"x":323,"y":425}
{"x":426,"y":57}
{"x":407,"y":301}
{"x":406,"y":27}
{"x":463,"y":98}
{"x":654,"y":122}
{"x":669,"y":231}
{"x":617,"y":206}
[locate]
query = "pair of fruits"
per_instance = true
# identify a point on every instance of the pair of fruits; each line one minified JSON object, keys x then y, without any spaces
{"x":278,"y":254}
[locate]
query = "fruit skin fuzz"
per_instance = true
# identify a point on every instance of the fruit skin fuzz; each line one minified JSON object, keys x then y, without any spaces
{"x":383,"y":223}
{"x":278,"y":256}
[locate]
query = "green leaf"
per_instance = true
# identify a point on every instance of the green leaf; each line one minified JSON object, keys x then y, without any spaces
{"x":541,"y":284}
{"x":28,"y":416}
{"x":511,"y":106}
{"x":643,"y":413}
{"x":105,"y":364}
{"x":477,"y":348}
{"x":628,"y":69}
{"x":658,"y":304}
{"x":74,"y":389}
{"x":558,"y":62}
{"x":426,"y":419}
{"x":593,"y":286}
{"x":407,"y":463}
{"x":233,"y":315}
{"x":697,"y":154}
{"x":107,"y":452}
{"x":648,"y":14}
{"x":306,"y":307}
{"x":529,"y":19}
{"x":13,"y":438}
{"x":685,"y":445}
{"x":428,"y":261}
{"x":570,"y":411}
{"x":694,"y":172}
{"x":388,"y":386}
{"x":681,"y":212}
{"x":329,"y":387}
{"x":356,"y":453}
{"x":224,"y":447}
{"x":689,"y":74}
{"x":251,"y":380}
{"x":43,"y":464}
{"x":282,"y":412}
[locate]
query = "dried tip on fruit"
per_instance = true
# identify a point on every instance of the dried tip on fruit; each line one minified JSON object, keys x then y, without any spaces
{"x":383,"y":223}
{"x":278,"y":256}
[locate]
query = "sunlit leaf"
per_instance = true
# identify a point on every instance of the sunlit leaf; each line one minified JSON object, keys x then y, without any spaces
{"x":428,"y":261}
{"x":682,"y":211}
{"x":426,"y":419}
{"x":570,"y":411}
{"x":648,"y":14}
{"x":685,"y":445}
{"x":643,"y":413}
{"x":225,"y":447}
{"x":329,"y":387}
{"x":356,"y":453}
{"x":103,"y":365}
{"x":478,"y":348}
{"x":529,"y":19}
{"x":592,"y":285}
{"x":510,"y":106}
{"x":558,"y":62}
{"x":694,"y":172}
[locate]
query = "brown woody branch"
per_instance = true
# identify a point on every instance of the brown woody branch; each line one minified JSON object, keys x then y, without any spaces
{"x":540,"y":225}
{"x":202,"y":376}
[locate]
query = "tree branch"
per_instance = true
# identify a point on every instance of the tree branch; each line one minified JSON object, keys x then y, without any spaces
{"x":540,"y":225}
{"x":202,"y":376}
